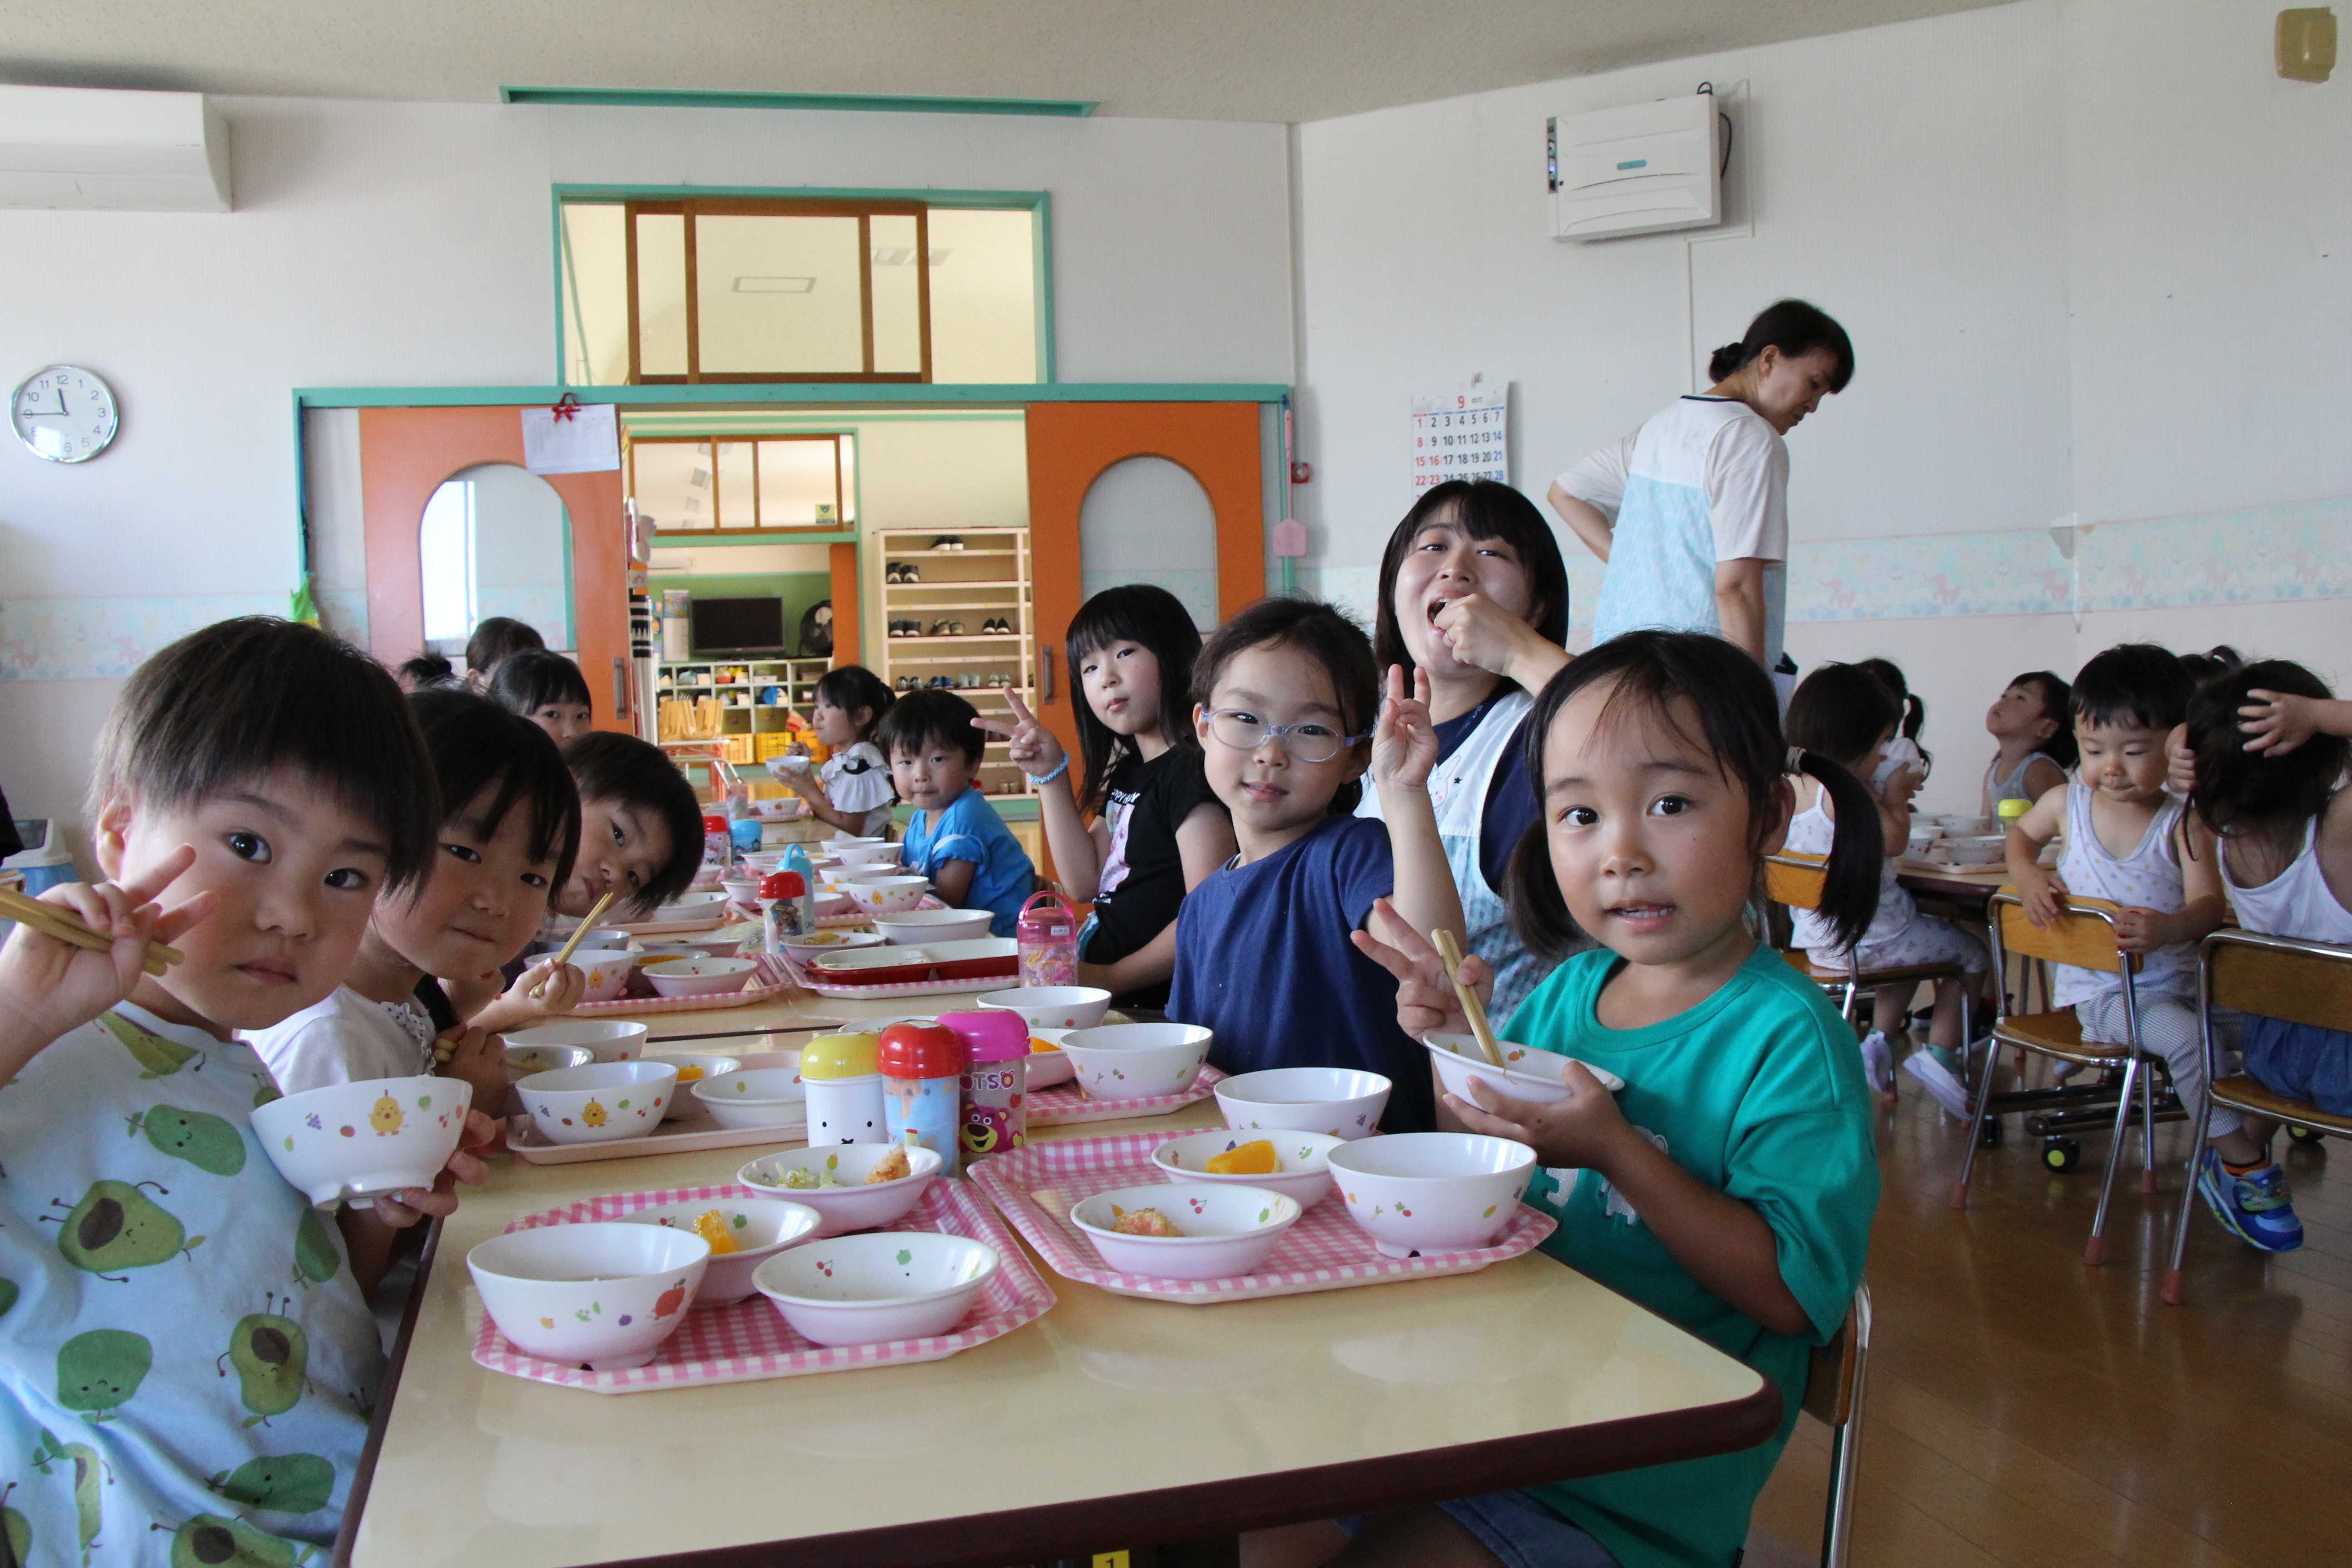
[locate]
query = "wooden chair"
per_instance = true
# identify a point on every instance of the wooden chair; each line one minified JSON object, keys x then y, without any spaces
{"x":2083,"y":935}
{"x":1835,"y":1378}
{"x":2278,"y":977}
{"x":1796,"y":881}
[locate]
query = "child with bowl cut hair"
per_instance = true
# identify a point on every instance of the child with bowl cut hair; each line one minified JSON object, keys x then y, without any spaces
{"x":640,"y":826}
{"x":257,"y":785}
{"x":546,"y":689}
{"x":955,"y":836}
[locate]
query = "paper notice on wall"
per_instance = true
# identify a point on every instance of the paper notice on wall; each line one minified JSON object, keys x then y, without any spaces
{"x":574,"y":438}
{"x":1462,"y":433}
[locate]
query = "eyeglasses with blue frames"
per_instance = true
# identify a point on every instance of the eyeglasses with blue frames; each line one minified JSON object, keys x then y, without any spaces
{"x":1307,"y":741}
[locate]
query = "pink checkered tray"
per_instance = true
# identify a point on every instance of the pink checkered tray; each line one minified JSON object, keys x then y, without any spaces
{"x":769,"y":983}
{"x":750,"y":1340}
{"x":1064,"y":1104}
{"x":1037,"y":1186}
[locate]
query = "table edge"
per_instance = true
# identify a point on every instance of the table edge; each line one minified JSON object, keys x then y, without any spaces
{"x":364,"y":1473}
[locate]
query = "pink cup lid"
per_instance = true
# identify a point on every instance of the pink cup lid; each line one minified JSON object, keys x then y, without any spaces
{"x":992,"y":1035}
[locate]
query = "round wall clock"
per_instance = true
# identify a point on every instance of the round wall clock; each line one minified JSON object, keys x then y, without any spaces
{"x":64,"y":413}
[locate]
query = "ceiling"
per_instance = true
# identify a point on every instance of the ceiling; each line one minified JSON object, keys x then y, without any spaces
{"x":1197,"y":59}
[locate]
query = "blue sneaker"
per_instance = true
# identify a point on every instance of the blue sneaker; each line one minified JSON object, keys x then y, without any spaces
{"x":2255,"y":1208}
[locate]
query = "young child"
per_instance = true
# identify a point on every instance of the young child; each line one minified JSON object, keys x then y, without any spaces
{"x":2032,"y":725}
{"x":1158,"y":830}
{"x":1903,"y":751}
{"x":547,"y":689}
{"x":255,"y":787}
{"x":955,"y":836}
{"x":1287,"y":716}
{"x":511,"y":829}
{"x":1846,"y":713}
{"x":2129,"y":842}
{"x":496,"y":639}
{"x":1729,"y":1185}
{"x":640,"y":826}
{"x":853,"y":790}
{"x":2279,"y":803}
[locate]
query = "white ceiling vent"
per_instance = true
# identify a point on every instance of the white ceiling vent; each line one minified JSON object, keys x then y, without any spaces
{"x":1642,"y":169}
{"x":124,"y":151}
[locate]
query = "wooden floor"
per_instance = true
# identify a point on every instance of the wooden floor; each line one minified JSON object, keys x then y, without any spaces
{"x":2024,"y":1409}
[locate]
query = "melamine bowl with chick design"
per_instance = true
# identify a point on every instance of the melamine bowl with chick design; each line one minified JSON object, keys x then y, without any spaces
{"x":1431,"y":1192}
{"x":760,"y":1228}
{"x":354,"y":1139}
{"x":604,"y":1294}
{"x":887,"y":894}
{"x":607,"y":969}
{"x":600,"y":1102}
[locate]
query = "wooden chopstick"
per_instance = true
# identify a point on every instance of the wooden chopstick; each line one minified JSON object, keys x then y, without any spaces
{"x":1449,"y":951}
{"x":587,"y":923}
{"x":64,"y":925}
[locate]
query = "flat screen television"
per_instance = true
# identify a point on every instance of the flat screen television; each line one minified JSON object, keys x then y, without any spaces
{"x":726,"y":628}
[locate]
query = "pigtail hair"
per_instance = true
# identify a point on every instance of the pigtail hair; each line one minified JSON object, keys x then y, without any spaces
{"x":1857,"y":852}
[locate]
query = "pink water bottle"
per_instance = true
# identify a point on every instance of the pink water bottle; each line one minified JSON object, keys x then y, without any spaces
{"x":1048,"y":938}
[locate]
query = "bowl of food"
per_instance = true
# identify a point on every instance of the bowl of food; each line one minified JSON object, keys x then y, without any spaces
{"x":1431,"y":1192}
{"x":1048,"y":1068}
{"x":1053,"y":1007}
{"x":1137,"y":1061}
{"x":867,"y":853}
{"x":607,"y":969}
{"x":600,"y":1102}
{"x":869,"y":1290}
{"x":700,"y":976}
{"x":1186,"y":1230}
{"x":355,"y":1139}
{"x":907,"y":927}
{"x":522,"y":1061}
{"x":693,"y":1066}
{"x":817,"y":943}
{"x":1295,"y":1165}
{"x":1342,"y":1102}
{"x":743,"y":1233}
{"x":612,"y":1039}
{"x":688,"y":909}
{"x":889,"y":894}
{"x":851,"y":1186}
{"x":754,"y":1097}
{"x":1525,"y":1074}
{"x":601,"y":1294}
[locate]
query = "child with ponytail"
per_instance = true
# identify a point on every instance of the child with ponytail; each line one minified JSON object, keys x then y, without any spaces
{"x":1729,"y":1187}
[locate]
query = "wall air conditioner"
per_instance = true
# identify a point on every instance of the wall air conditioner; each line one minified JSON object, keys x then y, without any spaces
{"x":1642,"y":169}
{"x":123,"y":151}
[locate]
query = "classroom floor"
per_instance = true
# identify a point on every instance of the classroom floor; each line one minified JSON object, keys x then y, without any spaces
{"x":2024,"y":1409}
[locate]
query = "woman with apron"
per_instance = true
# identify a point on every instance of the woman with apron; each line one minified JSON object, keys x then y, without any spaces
{"x":1473,"y":591}
{"x":1690,"y":511}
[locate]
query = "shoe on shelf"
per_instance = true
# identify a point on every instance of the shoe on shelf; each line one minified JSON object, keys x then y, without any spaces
{"x":939,"y":629}
{"x":910,"y":573}
{"x":890,"y":574}
{"x":1878,"y":1063}
{"x":955,"y":542}
{"x":943,"y":543}
{"x":2254,"y":1207}
{"x":955,"y":628}
{"x":1940,"y":1083}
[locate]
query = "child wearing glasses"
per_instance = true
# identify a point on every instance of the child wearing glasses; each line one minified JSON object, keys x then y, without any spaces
{"x":1285,"y":698}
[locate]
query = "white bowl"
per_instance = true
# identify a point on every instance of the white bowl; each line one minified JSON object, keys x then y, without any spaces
{"x":869,"y":1290}
{"x":741,"y":891}
{"x":761,"y":1228}
{"x":700,"y":976}
{"x":1304,"y":1177}
{"x":1053,"y":1007}
{"x":690,"y":907}
{"x":606,"y":1294}
{"x":1343,"y":1101}
{"x":754,"y":1097}
{"x":369,"y":1136}
{"x":886,"y":895}
{"x":851,"y":1206}
{"x":1048,"y":1069}
{"x":683,"y":1102}
{"x":612,"y":1039}
{"x":1975,"y":850}
{"x":1527,"y":1073}
{"x":1431,"y":1192}
{"x":714,"y":945}
{"x":595,"y":936}
{"x":522,"y":1061}
{"x":909,"y":926}
{"x":817,"y":943}
{"x":866,"y":854}
{"x":1229,"y":1229}
{"x":598,"y":1103}
{"x":607,"y":969}
{"x":1137,"y":1061}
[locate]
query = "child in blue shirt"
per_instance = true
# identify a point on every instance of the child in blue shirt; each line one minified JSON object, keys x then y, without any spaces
{"x":1286,"y":692}
{"x":188,"y":1361}
{"x":955,"y":838}
{"x":1729,"y":1187}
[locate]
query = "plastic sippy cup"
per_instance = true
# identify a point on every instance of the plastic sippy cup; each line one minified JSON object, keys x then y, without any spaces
{"x":922,"y":1089}
{"x":842,"y":1075}
{"x":995,"y":1080}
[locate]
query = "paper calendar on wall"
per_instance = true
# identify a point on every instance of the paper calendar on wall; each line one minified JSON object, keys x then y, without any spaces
{"x":1462,"y":433}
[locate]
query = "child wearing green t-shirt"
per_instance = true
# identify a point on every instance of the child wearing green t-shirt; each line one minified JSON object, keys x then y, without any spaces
{"x":1729,"y":1187}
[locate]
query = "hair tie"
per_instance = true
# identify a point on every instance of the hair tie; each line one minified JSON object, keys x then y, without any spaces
{"x":1796,"y":760}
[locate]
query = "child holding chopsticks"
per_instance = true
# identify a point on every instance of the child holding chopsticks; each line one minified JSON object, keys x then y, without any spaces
{"x":255,"y":786}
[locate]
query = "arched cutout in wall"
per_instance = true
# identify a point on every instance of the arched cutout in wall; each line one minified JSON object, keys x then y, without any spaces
{"x":1146,"y":519}
{"x":495,"y":540}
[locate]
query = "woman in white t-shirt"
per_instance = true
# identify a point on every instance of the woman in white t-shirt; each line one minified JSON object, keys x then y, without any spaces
{"x":1691,"y":510}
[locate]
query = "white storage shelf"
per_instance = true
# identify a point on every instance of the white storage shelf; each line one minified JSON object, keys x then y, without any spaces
{"x":988,"y":579}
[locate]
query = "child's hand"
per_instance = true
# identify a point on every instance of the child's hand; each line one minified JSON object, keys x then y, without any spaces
{"x":1582,"y":1130}
{"x":560,"y":987}
{"x":48,"y":986}
{"x":2276,"y":723}
{"x":2044,"y":895}
{"x":1035,"y":750}
{"x":403,"y":1209}
{"x":2142,"y":930}
{"x":478,"y":1057}
{"x":1902,"y":784}
{"x":1404,"y":739}
{"x":2180,"y":761}
{"x":1481,"y":633}
{"x":1427,"y":1003}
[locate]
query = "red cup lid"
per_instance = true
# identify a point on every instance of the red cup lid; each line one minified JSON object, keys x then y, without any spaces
{"x":921,"y":1050}
{"x":714,"y":825}
{"x":783,"y":885}
{"x":993,"y":1035}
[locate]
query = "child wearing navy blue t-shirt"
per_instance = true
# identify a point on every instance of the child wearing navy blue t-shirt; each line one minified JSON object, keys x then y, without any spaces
{"x":1286,"y":692}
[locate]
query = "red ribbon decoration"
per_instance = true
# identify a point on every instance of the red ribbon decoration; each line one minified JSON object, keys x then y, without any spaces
{"x":566,"y":407}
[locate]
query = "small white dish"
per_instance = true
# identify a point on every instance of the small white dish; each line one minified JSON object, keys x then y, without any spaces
{"x":607,"y":969}
{"x":886,"y":895}
{"x":1227,"y":1229}
{"x":693,"y":1068}
{"x":363,"y":1138}
{"x":717,"y":944}
{"x":700,"y":976}
{"x":1525,"y":1074}
{"x":817,"y":943}
{"x":1304,"y":1177}
{"x":612,"y":1039}
{"x":907,"y":927}
{"x":604,"y":1294}
{"x":689,"y":906}
{"x":760,"y":1228}
{"x":866,"y":854}
{"x":753,"y":1097}
{"x":1431,"y":1192}
{"x":1137,"y":1061}
{"x":743,"y":892}
{"x":1053,"y":1007}
{"x":852,"y":1206}
{"x":1346,"y":1102}
{"x":870,"y":1289}
{"x":1049,"y":1070}
{"x":600,"y":1102}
